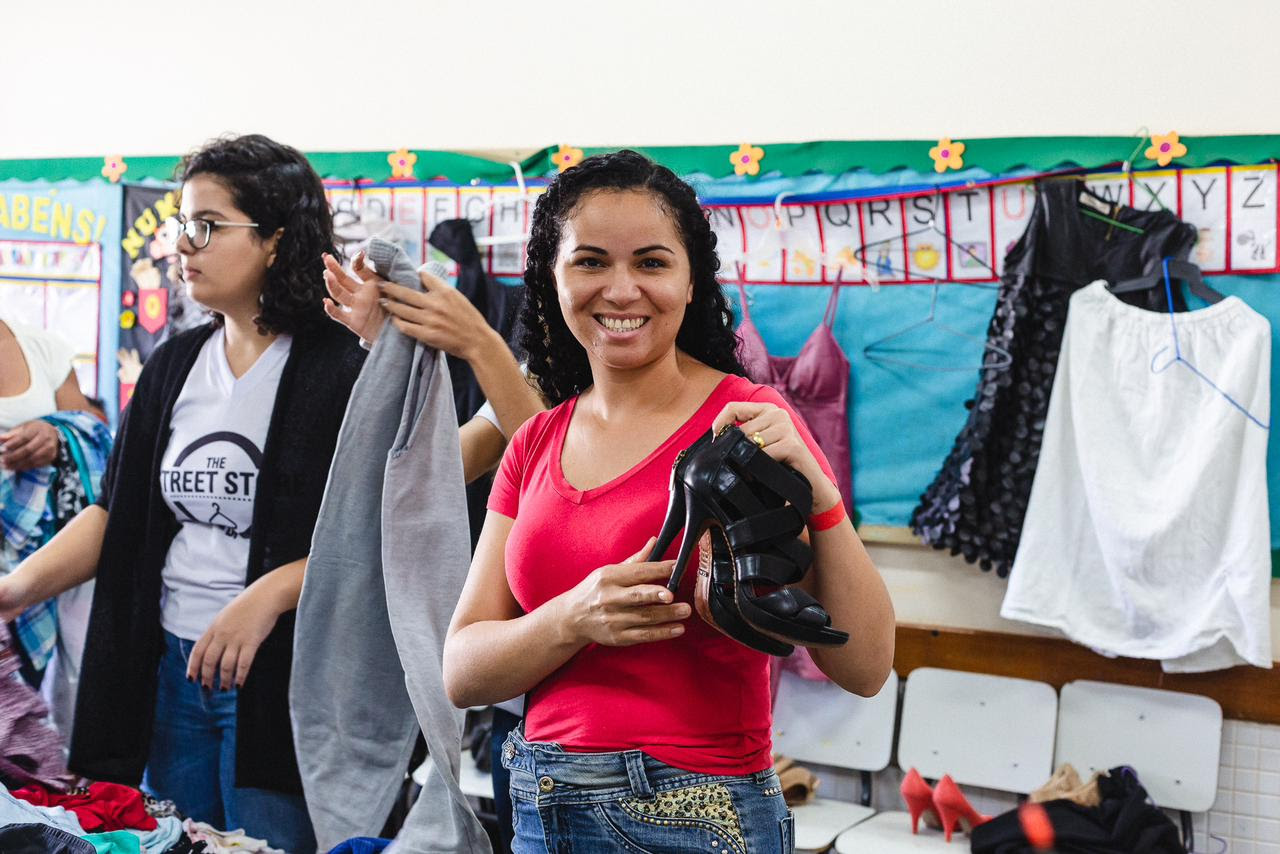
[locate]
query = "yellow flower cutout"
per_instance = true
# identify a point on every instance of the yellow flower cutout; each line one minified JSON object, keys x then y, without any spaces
{"x":113,"y":167}
{"x":127,"y":319}
{"x":567,"y":157}
{"x":746,"y":160}
{"x":402,"y":163}
{"x":947,"y":155}
{"x":1164,"y":149}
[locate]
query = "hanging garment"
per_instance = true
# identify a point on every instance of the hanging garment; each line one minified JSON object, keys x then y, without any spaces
{"x":27,"y":523}
{"x":41,"y":839}
{"x":83,"y":451}
{"x":976,"y":503}
{"x":387,"y":564}
{"x":1125,"y":822}
{"x":1147,"y":532}
{"x":815,"y":382}
{"x":501,"y":307}
{"x":37,"y":502}
{"x":30,"y":750}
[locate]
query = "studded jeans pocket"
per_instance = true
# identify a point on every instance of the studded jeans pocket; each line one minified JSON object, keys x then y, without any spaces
{"x":706,"y":811}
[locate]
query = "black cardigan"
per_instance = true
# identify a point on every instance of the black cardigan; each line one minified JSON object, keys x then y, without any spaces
{"x":116,"y":700}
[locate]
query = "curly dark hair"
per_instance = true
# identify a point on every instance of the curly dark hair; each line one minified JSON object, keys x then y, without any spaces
{"x":556,"y":359}
{"x":275,"y":186}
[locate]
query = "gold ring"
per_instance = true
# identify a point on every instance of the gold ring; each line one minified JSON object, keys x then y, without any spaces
{"x":759,"y":440}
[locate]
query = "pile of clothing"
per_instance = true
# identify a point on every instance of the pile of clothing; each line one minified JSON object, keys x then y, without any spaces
{"x":108,"y":818}
{"x":1109,"y":814}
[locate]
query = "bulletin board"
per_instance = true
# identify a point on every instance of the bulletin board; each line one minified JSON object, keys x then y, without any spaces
{"x":792,"y":252}
{"x":791,"y":218}
{"x":57,"y":271}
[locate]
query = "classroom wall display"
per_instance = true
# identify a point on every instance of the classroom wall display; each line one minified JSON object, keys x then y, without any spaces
{"x":903,"y":420}
{"x":894,"y":236}
{"x":792,"y":249}
{"x":153,"y":302}
{"x":57,"y":273}
{"x":407,"y":214}
{"x":962,"y":233}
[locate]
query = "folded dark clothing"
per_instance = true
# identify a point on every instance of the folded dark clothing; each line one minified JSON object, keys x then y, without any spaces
{"x":41,"y":839}
{"x":1126,"y":822}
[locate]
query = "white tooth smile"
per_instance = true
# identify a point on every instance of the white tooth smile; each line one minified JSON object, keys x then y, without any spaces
{"x":619,"y":325}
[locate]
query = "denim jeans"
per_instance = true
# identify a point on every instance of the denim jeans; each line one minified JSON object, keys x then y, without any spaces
{"x":565,"y":803}
{"x":193,"y":761}
{"x":503,"y":723}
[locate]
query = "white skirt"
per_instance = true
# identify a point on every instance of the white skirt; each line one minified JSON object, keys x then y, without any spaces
{"x":1147,"y":532}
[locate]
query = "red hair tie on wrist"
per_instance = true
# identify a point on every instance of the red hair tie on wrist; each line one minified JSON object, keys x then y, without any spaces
{"x":827,"y":518}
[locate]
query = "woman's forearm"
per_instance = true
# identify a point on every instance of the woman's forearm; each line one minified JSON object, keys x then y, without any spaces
{"x":69,"y":559}
{"x":482,"y":447}
{"x":850,"y":588}
{"x":283,"y":585}
{"x":504,"y":385}
{"x":491,"y":661}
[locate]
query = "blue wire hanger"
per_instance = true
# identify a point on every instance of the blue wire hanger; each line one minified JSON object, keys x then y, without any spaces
{"x":1178,"y":358}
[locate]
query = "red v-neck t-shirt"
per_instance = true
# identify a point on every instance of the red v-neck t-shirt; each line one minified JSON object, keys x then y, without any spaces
{"x":699,"y":701}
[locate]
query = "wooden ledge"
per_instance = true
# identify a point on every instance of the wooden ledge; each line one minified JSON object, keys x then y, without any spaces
{"x":1245,"y":693}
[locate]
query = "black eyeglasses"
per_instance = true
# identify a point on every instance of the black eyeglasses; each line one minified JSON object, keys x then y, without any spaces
{"x":200,"y":231}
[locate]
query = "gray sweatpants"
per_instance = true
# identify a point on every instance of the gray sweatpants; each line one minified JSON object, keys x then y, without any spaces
{"x":388,"y":560}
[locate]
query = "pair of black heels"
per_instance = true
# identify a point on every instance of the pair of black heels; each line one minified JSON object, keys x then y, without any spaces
{"x":753,"y":509}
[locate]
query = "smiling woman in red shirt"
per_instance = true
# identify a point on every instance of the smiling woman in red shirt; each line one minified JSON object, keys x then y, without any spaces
{"x":646,"y":729}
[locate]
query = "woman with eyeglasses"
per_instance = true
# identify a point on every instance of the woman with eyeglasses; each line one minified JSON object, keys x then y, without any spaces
{"x":200,"y":538}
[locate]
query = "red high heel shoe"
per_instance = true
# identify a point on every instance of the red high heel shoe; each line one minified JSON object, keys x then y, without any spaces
{"x":919,"y":797}
{"x":954,"y":809}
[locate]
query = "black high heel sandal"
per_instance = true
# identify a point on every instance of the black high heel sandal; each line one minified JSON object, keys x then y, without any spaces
{"x":755,"y":509}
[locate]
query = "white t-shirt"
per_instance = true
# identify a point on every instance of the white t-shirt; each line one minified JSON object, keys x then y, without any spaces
{"x":209,"y":477}
{"x":48,"y":363}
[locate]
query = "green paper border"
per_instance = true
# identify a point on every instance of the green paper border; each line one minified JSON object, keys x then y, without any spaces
{"x":996,"y":155}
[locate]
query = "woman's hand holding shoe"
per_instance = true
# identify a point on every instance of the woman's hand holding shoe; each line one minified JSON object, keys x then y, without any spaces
{"x":771,"y":428}
{"x":624,"y":604}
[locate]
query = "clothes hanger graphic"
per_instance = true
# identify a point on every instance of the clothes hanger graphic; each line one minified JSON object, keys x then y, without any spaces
{"x":994,"y":357}
{"x":1179,"y":359}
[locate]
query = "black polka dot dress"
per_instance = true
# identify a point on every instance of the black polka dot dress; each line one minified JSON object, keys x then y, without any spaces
{"x":977,"y":501}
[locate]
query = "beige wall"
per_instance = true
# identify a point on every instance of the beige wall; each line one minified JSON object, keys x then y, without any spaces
{"x":84,"y":78}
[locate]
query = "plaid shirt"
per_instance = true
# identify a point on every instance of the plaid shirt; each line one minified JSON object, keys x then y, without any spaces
{"x":29,"y":516}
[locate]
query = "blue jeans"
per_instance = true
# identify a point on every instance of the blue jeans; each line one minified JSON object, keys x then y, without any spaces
{"x":193,"y":761}
{"x":566,"y":803}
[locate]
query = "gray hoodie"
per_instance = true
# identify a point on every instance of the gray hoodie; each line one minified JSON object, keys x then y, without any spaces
{"x":388,"y":560}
